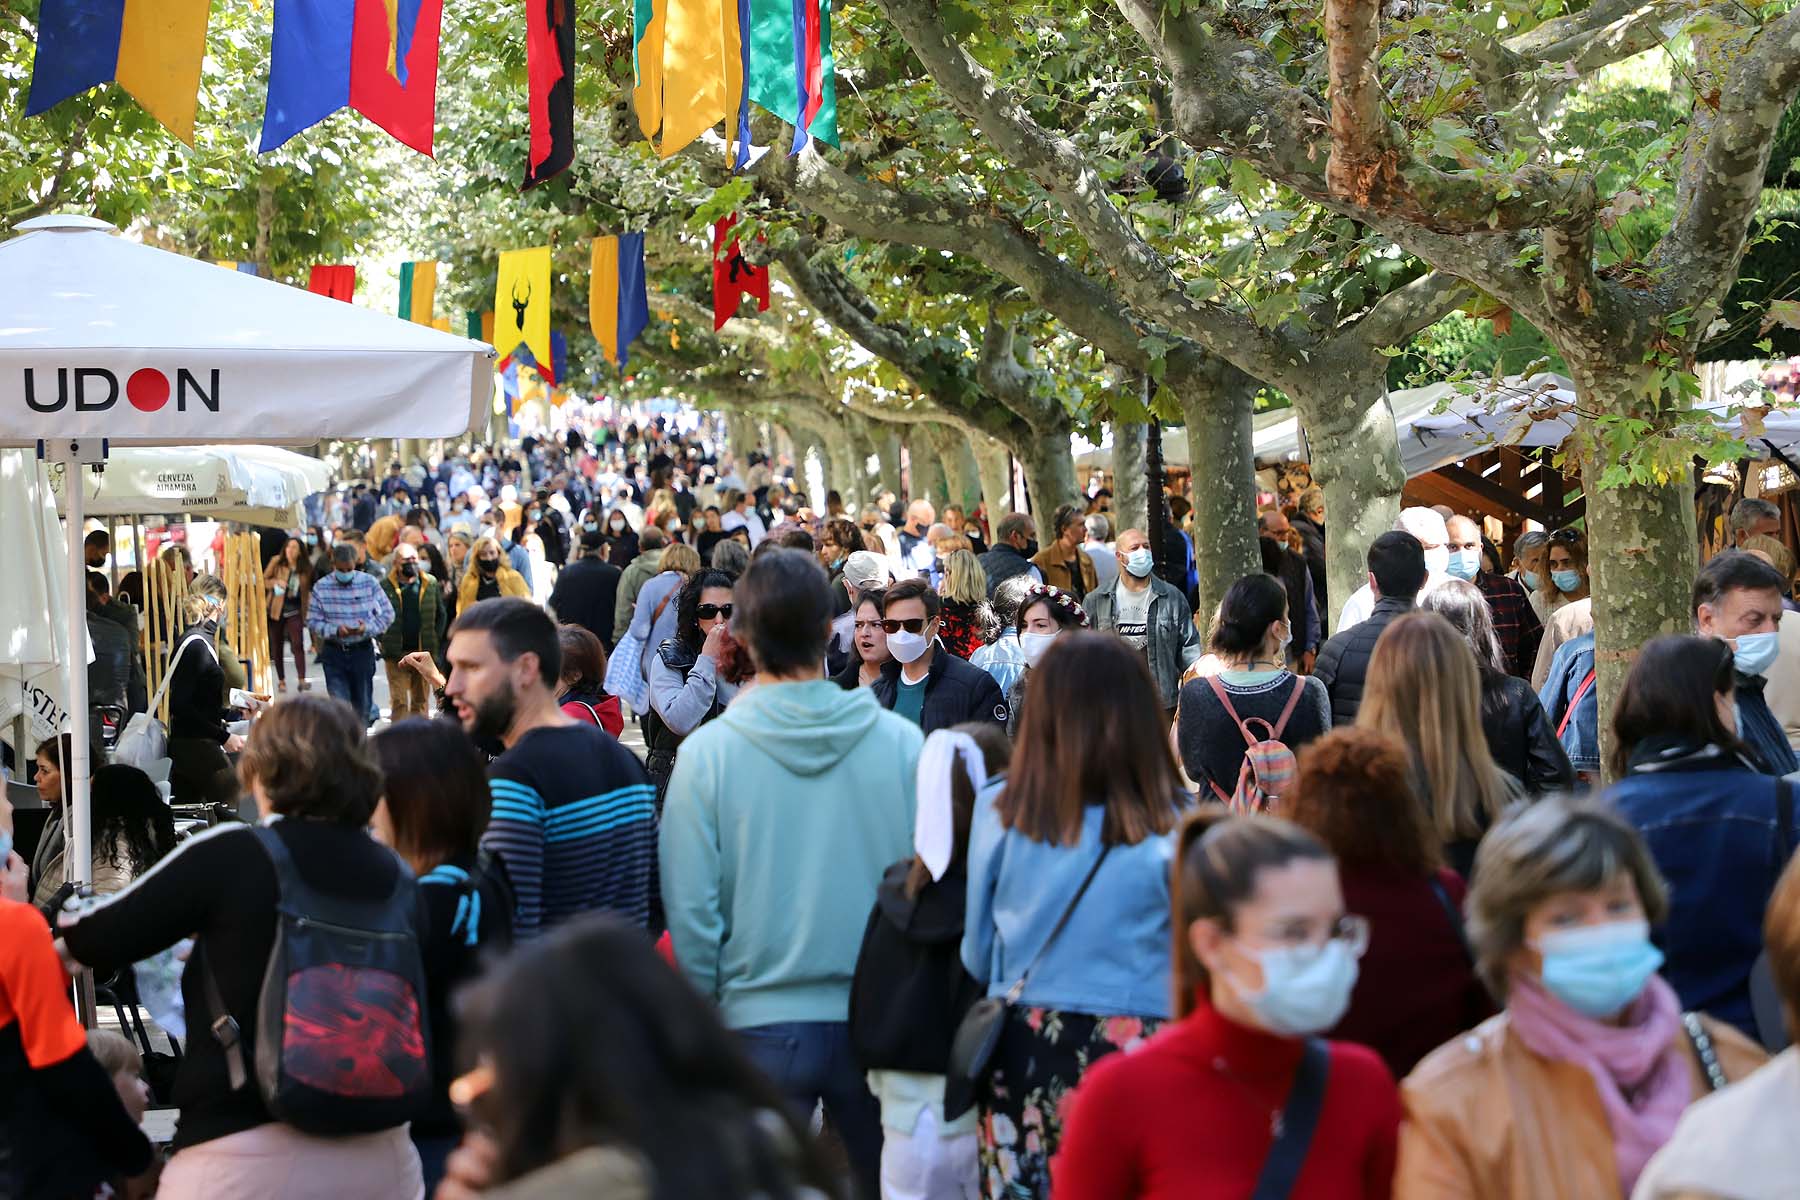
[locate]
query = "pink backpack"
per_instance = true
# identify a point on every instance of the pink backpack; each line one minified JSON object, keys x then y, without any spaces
{"x":1269,"y":768}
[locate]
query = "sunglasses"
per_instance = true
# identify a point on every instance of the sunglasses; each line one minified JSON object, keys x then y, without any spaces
{"x":911,"y":625}
{"x":707,"y":612}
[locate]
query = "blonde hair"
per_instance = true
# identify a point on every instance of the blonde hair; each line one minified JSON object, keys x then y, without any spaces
{"x":115,"y":1052}
{"x":1423,"y":690}
{"x":680,"y":557}
{"x":200,"y":595}
{"x":964,"y":580}
{"x":1776,"y":551}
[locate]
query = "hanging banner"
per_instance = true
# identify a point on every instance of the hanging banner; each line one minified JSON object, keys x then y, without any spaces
{"x":522,"y":304}
{"x":791,"y":69}
{"x":550,"y":72}
{"x":418,"y":290}
{"x":338,"y":282}
{"x":379,"y":57}
{"x":618,"y":306}
{"x":153,"y":48}
{"x":734,"y":277}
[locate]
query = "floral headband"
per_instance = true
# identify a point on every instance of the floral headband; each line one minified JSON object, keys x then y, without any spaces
{"x":1060,"y":599}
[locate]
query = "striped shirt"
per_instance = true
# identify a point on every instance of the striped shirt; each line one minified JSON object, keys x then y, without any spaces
{"x":359,"y":602}
{"x":573,"y":819}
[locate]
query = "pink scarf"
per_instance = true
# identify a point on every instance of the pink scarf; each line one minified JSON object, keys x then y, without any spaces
{"x":1638,"y":1068}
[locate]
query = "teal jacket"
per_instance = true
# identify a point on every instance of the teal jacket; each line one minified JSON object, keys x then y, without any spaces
{"x":781,"y":816}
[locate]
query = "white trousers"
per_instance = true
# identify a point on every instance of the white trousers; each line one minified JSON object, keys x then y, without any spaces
{"x":925,"y":1165}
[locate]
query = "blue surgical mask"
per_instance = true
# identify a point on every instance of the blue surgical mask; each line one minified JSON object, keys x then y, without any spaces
{"x":1566,"y":581}
{"x":1529,"y":579}
{"x":1755,"y":653}
{"x":344,"y":576}
{"x":6,"y":845}
{"x":1140,"y":562}
{"x":1306,"y":989}
{"x":1463,"y":564}
{"x":311,"y":540}
{"x":1598,"y":969}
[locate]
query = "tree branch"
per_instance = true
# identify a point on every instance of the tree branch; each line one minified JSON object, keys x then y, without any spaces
{"x":1405,"y":311}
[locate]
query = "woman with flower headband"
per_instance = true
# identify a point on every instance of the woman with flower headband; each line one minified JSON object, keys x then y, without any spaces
{"x":1043,"y":615}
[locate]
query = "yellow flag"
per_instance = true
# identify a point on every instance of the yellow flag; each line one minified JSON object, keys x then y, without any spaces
{"x":694,"y":71}
{"x":522,"y":303}
{"x":161,"y":43}
{"x":603,"y":296}
{"x":647,"y":55}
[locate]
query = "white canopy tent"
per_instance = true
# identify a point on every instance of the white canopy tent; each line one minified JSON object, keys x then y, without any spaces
{"x":259,"y":485}
{"x":107,"y":341}
{"x":34,"y":645}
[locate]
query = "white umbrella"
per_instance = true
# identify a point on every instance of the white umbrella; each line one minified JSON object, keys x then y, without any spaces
{"x":260,"y":485}
{"x":103,"y":339}
{"x":34,"y":645}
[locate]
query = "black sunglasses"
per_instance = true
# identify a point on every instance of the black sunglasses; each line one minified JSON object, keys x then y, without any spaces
{"x":911,"y":625}
{"x":707,"y":612}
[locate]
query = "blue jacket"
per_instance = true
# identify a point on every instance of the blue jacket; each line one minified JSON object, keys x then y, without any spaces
{"x":1581,"y":739}
{"x":1713,"y":822}
{"x":1113,"y":956}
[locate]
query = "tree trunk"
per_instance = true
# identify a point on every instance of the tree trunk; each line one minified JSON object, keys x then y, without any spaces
{"x":1216,"y":404}
{"x":1642,"y":551}
{"x":843,"y":475}
{"x":927,"y":463}
{"x":1131,"y":481}
{"x":1356,"y":461}
{"x":993,"y":462}
{"x":741,"y":434}
{"x":950,"y":447}
{"x":1049,"y":464}
{"x":887,"y":452}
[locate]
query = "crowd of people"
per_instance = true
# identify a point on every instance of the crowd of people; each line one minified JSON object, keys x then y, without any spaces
{"x":714,"y":844}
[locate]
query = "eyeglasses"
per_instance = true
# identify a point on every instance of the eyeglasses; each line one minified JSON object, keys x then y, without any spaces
{"x":1351,"y":930}
{"x":707,"y":612}
{"x":911,"y":625}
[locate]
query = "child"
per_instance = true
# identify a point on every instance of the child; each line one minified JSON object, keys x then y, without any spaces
{"x":125,"y":1067}
{"x":911,"y":990}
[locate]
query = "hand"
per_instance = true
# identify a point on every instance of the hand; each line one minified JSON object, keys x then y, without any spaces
{"x":471,"y":1169}
{"x":716,"y":640}
{"x":15,"y":879}
{"x":345,"y":630}
{"x":234,"y":743}
{"x":422,"y":662}
{"x":71,"y":965}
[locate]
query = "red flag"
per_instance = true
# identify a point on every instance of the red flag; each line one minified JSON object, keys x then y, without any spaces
{"x":337,"y":282}
{"x":394,"y":67}
{"x":550,"y":72}
{"x":734,"y":277}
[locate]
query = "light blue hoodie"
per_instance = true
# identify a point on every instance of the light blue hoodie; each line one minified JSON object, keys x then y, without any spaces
{"x":781,"y":816}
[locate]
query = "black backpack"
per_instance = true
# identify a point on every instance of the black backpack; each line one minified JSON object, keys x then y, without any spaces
{"x":341,"y":1039}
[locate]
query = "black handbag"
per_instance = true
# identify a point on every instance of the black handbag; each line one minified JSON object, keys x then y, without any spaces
{"x":978,"y":1034}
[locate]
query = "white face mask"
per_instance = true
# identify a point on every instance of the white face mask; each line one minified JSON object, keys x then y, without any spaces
{"x":1033,"y":644}
{"x":907,"y":647}
{"x":1437,"y":561}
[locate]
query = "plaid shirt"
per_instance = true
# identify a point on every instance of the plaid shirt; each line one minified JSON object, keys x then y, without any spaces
{"x":359,"y":602}
{"x":1515,"y":621}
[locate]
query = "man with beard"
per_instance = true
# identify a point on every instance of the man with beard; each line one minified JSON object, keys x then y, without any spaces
{"x":573,"y":818}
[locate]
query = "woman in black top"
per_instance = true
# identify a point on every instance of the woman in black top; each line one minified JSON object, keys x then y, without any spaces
{"x":308,"y":765}
{"x":434,"y":805}
{"x":199,"y":740}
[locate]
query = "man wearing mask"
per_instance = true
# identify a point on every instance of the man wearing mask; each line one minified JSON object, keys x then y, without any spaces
{"x":418,"y":601}
{"x":346,"y":611}
{"x":1737,"y":598}
{"x":925,"y":683}
{"x":1751,"y":517}
{"x":94,"y":549}
{"x":916,"y":552}
{"x":1063,"y":563}
{"x":587,"y":591}
{"x":1516,"y":623}
{"x":960,"y":523}
{"x":1279,"y":560}
{"x":1309,"y":523}
{"x":1426,"y":526}
{"x":1015,"y":544}
{"x":1531,"y":554}
{"x":1150,"y":614}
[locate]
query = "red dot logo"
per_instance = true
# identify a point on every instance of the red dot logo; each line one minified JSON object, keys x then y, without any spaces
{"x":147,"y":389}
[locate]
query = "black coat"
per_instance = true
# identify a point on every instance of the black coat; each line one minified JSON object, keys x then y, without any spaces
{"x":911,"y":990}
{"x":1001,"y":564}
{"x":1520,"y":736}
{"x":1343,"y":664}
{"x":955,"y":692}
{"x":585,"y":595}
{"x":1312,"y":538}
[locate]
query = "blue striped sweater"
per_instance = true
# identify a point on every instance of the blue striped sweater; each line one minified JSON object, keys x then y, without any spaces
{"x":573,"y":820}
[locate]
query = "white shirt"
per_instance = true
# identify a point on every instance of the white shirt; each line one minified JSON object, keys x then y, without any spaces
{"x":1361,"y":604}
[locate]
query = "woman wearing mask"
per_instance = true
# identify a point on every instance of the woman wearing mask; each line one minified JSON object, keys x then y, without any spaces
{"x":457,"y":545}
{"x":288,"y":583}
{"x":1417,"y":988}
{"x":838,"y":540}
{"x":624,"y":1084}
{"x":693,"y":674}
{"x":710,"y":534}
{"x":307,"y":764}
{"x":1265,"y":959}
{"x":1424,"y":692}
{"x":1044,"y":615}
{"x":434,"y":805}
{"x":1583,"y":1075}
{"x":1080,"y":836}
{"x":1565,"y":578}
{"x":200,"y":740}
{"x":489,"y":577}
{"x":870,"y":644}
{"x":1250,"y":639}
{"x":968,"y":621}
{"x":1519,"y":735}
{"x":1719,"y":829}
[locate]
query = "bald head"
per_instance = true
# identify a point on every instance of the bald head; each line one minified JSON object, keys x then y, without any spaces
{"x":1273,"y":523}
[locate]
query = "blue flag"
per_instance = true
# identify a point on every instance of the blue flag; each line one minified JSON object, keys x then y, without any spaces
{"x":309,"y":66}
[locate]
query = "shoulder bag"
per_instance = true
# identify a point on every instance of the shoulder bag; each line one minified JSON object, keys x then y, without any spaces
{"x":1294,"y":1127}
{"x":978,"y":1035}
{"x":144,"y":743}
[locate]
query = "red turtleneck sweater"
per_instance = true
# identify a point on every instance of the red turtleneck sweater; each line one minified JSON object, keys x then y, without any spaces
{"x":1188,"y":1116}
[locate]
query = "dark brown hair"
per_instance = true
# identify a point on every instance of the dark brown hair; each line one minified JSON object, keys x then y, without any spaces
{"x":996,"y":752}
{"x":1670,"y":691}
{"x":310,"y":756}
{"x":913,"y":589}
{"x":1218,"y":857}
{"x":1355,"y":792}
{"x":435,"y":786}
{"x":582,"y":655}
{"x":1117,"y":757}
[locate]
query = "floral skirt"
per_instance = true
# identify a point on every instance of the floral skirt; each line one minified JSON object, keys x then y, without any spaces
{"x":1041,"y":1057}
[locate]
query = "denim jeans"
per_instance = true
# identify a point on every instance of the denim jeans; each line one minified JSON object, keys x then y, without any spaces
{"x":350,"y":674}
{"x":810,"y":1062}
